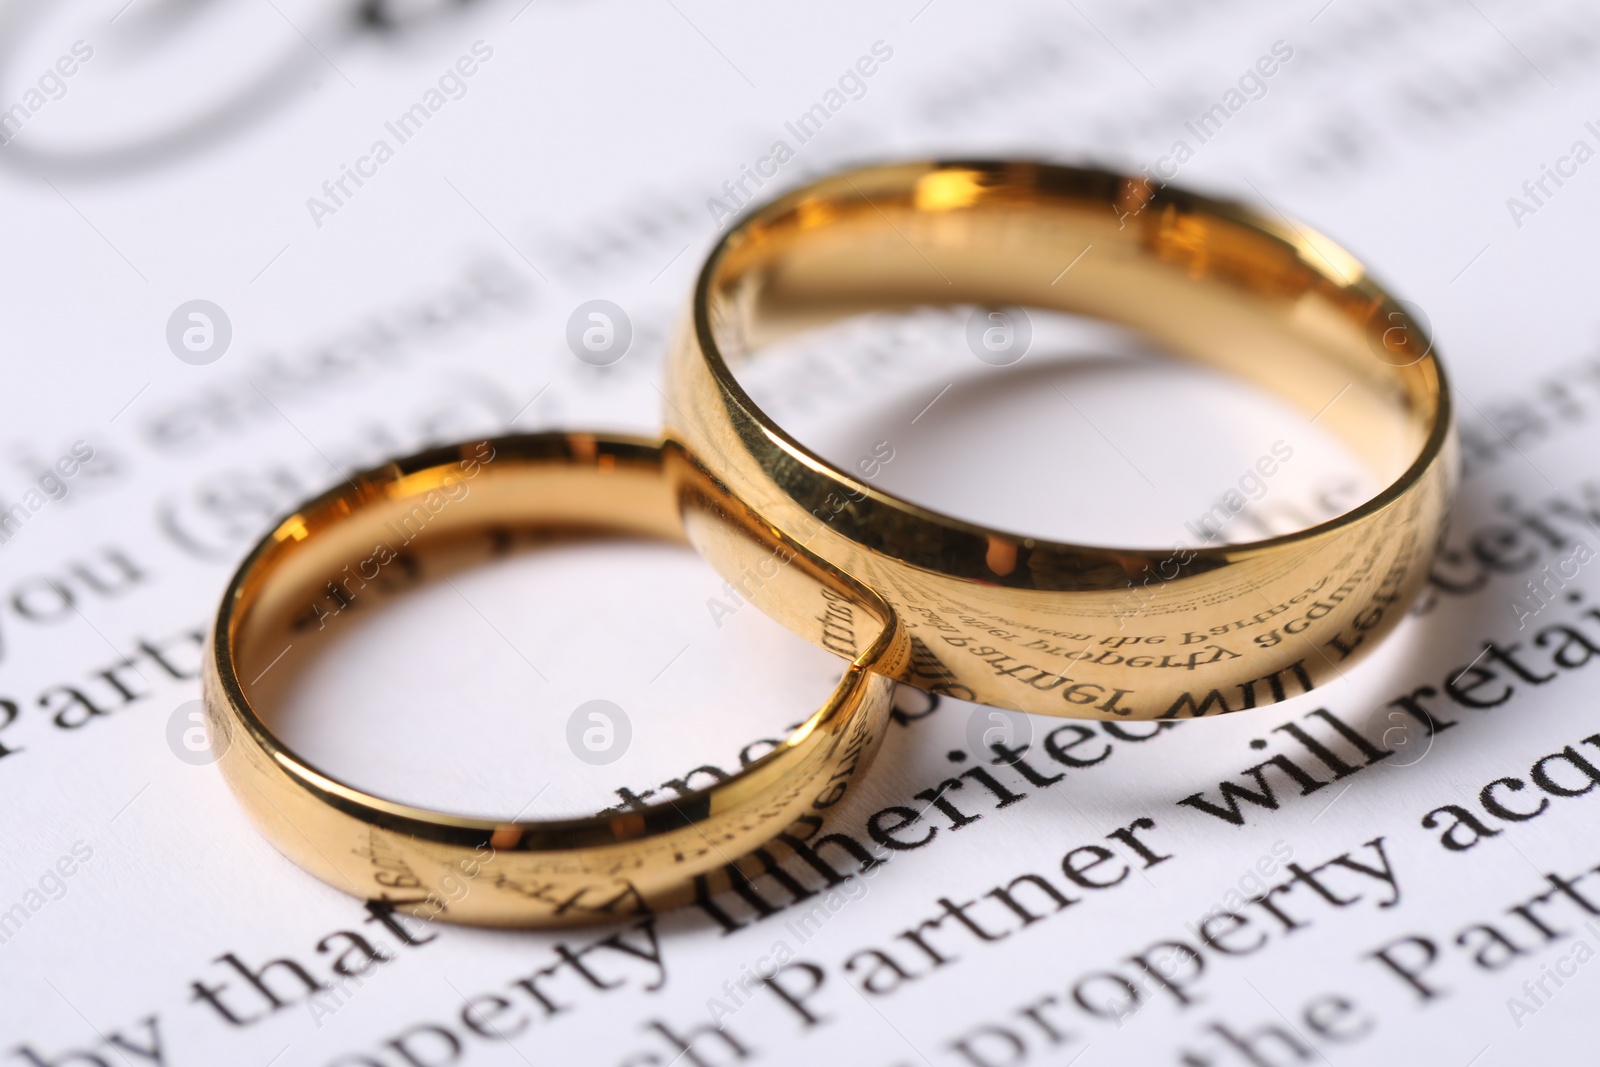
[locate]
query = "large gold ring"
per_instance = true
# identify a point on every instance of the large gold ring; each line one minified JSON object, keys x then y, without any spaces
{"x":608,"y":866}
{"x":1066,"y":629}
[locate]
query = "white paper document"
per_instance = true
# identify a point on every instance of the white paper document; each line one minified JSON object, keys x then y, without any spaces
{"x":252,"y":248}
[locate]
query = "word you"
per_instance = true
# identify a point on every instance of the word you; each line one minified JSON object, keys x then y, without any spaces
{"x":450,"y":86}
{"x":51,"y":85}
{"x":1566,"y":167}
{"x":851,"y":85}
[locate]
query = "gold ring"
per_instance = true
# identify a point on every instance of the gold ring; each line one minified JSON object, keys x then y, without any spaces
{"x":603,"y":867}
{"x":1067,"y":629}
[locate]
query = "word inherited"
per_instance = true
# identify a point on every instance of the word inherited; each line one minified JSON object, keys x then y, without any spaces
{"x":760,"y":885}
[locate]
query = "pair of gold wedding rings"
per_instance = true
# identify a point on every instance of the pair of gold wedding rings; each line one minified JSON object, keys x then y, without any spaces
{"x":903,"y":593}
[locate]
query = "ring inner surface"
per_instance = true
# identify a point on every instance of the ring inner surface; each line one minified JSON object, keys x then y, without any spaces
{"x":1276,"y":306}
{"x":392,"y":529}
{"x":336,"y":550}
{"x":626,"y":860}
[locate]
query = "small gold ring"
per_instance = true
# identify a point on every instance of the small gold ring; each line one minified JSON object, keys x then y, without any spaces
{"x":1067,"y":629}
{"x":525,"y":873}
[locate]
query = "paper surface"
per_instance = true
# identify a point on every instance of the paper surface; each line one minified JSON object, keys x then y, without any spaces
{"x":1174,"y":896}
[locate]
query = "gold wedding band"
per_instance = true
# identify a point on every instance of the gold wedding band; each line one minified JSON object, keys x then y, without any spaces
{"x":608,"y":866}
{"x":1049,"y":627}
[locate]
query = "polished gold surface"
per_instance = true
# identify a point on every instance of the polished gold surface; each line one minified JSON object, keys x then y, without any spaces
{"x":1066,"y":629}
{"x":612,"y":865}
